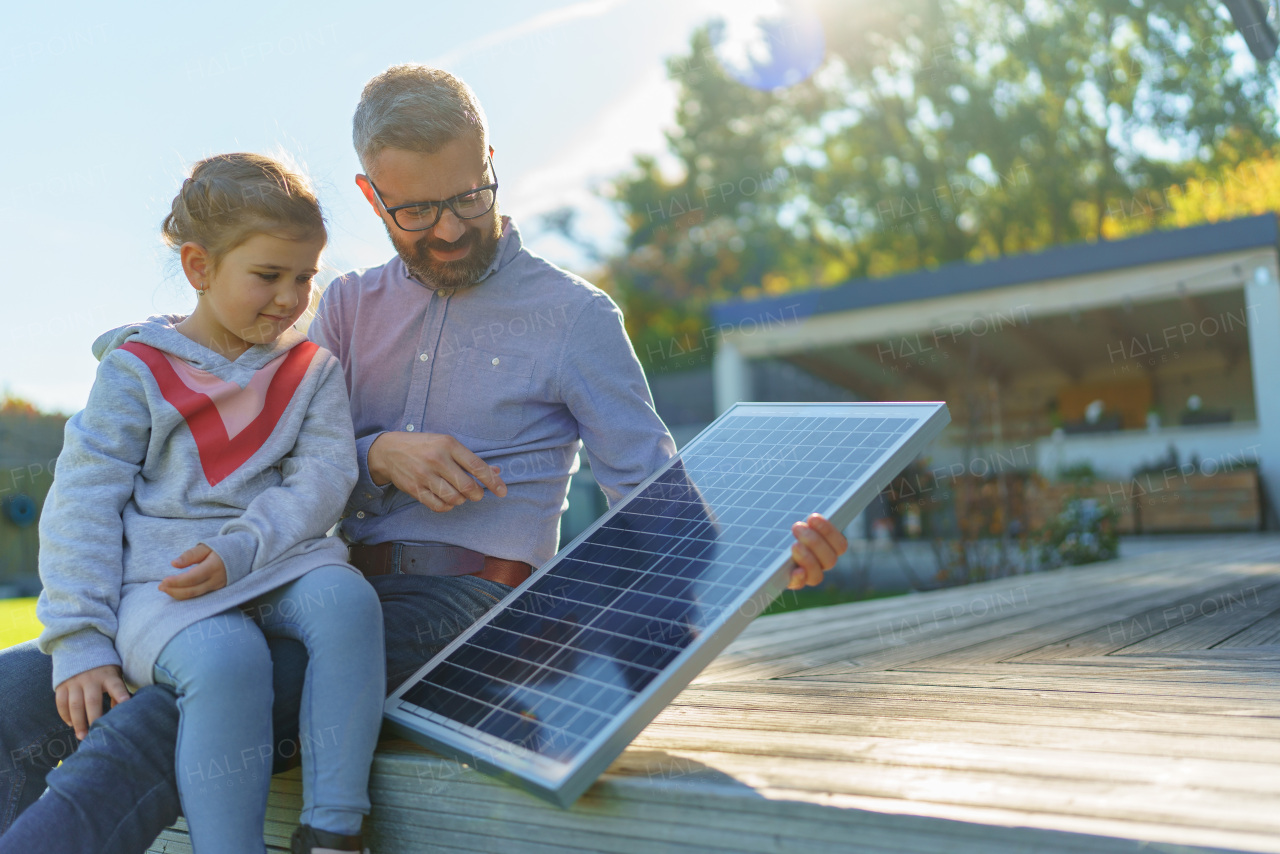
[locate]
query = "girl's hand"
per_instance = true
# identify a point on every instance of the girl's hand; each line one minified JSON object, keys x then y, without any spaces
{"x":80,"y":697}
{"x":208,"y":574}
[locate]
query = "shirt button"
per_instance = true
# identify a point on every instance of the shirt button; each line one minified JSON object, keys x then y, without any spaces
{"x":368,"y":495}
{"x":409,"y":427}
{"x":423,"y":357}
{"x":445,"y":292}
{"x":359,"y":514}
{"x":495,"y":360}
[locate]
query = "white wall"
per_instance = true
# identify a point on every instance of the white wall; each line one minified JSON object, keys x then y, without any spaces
{"x":1116,"y":455}
{"x":1262,"y":301}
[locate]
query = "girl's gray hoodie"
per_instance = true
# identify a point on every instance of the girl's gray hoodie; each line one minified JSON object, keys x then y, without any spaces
{"x":177,"y":446}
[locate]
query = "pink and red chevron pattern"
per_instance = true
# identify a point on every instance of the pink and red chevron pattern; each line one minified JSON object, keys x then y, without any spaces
{"x":229,"y":423}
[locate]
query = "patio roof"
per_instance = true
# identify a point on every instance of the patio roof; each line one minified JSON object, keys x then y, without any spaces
{"x":1081,"y":259}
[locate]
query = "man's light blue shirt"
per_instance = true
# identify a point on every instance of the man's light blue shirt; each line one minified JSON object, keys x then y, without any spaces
{"x":523,"y":368}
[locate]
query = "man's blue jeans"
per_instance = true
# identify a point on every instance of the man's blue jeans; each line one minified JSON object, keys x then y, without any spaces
{"x":118,"y":790}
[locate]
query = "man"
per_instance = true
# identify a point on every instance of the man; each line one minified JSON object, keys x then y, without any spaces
{"x":476,"y":370}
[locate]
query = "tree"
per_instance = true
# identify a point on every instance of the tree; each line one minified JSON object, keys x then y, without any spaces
{"x":989,"y":128}
{"x":935,"y":132}
{"x":1206,"y":194}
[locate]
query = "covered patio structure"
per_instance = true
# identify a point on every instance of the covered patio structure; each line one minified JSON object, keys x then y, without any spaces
{"x":1151,"y":357}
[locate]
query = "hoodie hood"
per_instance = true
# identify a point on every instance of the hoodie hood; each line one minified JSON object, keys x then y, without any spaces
{"x":160,"y":331}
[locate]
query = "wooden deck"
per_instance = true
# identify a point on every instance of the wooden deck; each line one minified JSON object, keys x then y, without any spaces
{"x":1127,"y":706}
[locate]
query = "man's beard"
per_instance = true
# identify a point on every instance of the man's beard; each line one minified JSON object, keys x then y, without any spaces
{"x":462,"y":273}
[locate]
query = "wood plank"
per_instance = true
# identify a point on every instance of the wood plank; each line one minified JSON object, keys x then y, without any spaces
{"x":832,"y":699}
{"x":1054,"y":704}
{"x":1055,"y":677}
{"x":1148,"y":836}
{"x":1209,"y":622}
{"x":1257,"y":659}
{"x":663,"y":799}
{"x":1037,"y":766}
{"x":405,"y":830}
{"x":1171,"y":669}
{"x":172,"y":842}
{"x":1065,"y":582}
{"x":1184,"y":806}
{"x":798,"y":815}
{"x":935,"y":630}
{"x":1061,"y":635}
{"x":1265,"y":632}
{"x":1062,"y":585}
{"x":981,"y":732}
{"x":556,"y":830}
{"x":1108,"y":608}
{"x":799,"y":826}
{"x":775,"y":837}
{"x":998,"y":648}
{"x":1160,"y":614}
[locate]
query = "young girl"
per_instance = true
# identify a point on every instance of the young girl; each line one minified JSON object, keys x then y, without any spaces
{"x":188,"y":514}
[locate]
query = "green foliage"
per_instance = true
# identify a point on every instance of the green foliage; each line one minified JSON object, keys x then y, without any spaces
{"x":1022,"y":123}
{"x":935,"y":132}
{"x":1081,"y":473}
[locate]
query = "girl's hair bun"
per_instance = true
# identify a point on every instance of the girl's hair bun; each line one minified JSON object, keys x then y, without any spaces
{"x":230,"y":197}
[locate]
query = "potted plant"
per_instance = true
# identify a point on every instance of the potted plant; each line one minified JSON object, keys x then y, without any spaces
{"x":1084,"y":532}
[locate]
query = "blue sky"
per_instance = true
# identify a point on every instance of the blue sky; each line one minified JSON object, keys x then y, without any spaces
{"x":106,"y":105}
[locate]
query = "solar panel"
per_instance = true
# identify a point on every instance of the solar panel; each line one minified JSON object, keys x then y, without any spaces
{"x":551,"y":684}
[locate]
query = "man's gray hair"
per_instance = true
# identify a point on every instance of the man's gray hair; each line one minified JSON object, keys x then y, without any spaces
{"x":415,"y":108}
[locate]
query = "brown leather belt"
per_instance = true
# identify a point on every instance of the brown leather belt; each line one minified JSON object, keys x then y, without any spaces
{"x":391,"y":558}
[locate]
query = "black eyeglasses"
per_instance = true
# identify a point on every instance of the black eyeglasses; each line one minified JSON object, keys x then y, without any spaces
{"x":420,"y":216}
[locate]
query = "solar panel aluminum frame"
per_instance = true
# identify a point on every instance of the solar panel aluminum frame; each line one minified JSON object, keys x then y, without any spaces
{"x":563,"y":783}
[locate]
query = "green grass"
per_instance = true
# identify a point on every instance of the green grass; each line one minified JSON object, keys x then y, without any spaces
{"x":18,"y":621}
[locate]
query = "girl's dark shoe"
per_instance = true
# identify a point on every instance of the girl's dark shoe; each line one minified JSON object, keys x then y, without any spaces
{"x":306,"y":838}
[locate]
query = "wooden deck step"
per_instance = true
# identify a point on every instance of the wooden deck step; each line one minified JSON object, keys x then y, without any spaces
{"x":1068,"y":711}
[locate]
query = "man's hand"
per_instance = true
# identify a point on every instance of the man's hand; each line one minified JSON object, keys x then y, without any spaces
{"x":80,"y":697}
{"x":817,"y":546}
{"x":432,"y":467}
{"x":208,"y":574}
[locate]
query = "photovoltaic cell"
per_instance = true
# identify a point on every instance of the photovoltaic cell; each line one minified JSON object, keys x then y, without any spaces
{"x":549,"y":686}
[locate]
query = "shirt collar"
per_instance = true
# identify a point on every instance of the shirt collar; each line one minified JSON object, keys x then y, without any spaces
{"x":509,"y":246}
